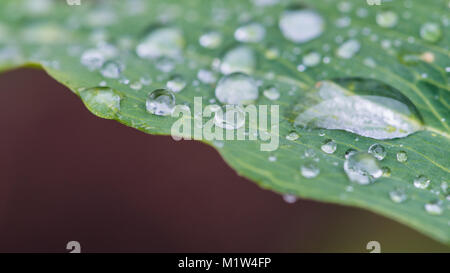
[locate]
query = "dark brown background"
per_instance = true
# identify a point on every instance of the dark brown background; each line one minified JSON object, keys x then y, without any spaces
{"x":68,"y":175}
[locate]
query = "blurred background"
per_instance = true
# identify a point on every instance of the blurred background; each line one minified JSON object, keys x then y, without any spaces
{"x":67,"y":175}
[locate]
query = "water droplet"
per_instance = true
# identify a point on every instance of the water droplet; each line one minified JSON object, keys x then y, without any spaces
{"x":309,"y":170}
{"x":301,"y":25}
{"x":237,"y":88}
{"x":160,"y":102}
{"x":165,"y":64}
{"x":102,"y":101}
{"x":363,"y":106}
{"x":402,"y":156}
{"x":93,"y":59}
{"x":434,"y":208}
{"x":386,"y":171}
{"x":111,"y":69}
{"x":289,"y":198}
{"x":311,"y":59}
{"x":231,"y":117}
{"x":398,"y":195}
{"x":387,"y":19}
{"x":431,"y":32}
{"x":378,"y":151}
{"x":238,"y":59}
{"x":136,"y":86}
{"x":272,"y":53}
{"x":250,"y":33}
{"x":421,"y":182}
{"x":349,"y":152}
{"x":211,"y":39}
{"x":292,"y":136}
{"x":176,"y":83}
{"x":329,"y":146}
{"x":161,"y":42}
{"x":362,"y":168}
{"x":348,"y":49}
{"x":206,"y":76}
{"x":272,"y":93}
{"x":272,"y":158}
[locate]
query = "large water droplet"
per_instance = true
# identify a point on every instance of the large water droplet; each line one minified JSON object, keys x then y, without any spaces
{"x":102,"y":101}
{"x":176,"y":83}
{"x":387,"y":19}
{"x":160,"y":102}
{"x":165,"y":41}
{"x":362,"y":168}
{"x":250,"y":33}
{"x":366,"y":107}
{"x":237,"y":88}
{"x":238,"y":59}
{"x":301,"y":25}
{"x":421,"y":182}
{"x":402,"y":156}
{"x":378,"y":151}
{"x":230,"y":118}
{"x":348,"y":49}
{"x":329,"y":146}
{"x":434,"y":208}
{"x":309,"y":170}
{"x":431,"y":32}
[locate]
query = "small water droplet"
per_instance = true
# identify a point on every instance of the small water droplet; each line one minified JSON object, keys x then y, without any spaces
{"x":237,"y":88}
{"x":348,"y":49}
{"x":398,"y":195}
{"x":238,"y":59}
{"x":311,"y":59}
{"x":111,"y":69}
{"x":272,"y":93}
{"x":431,"y":32}
{"x":301,"y":25}
{"x":250,"y":33}
{"x":387,"y":19}
{"x":402,"y":156}
{"x":93,"y":59}
{"x":176,"y":83}
{"x":206,"y":76}
{"x":272,"y":158}
{"x":386,"y":171}
{"x":136,"y":85}
{"x":329,"y":146}
{"x":289,"y":198}
{"x":362,"y":168}
{"x":102,"y":101}
{"x":160,"y":102}
{"x":211,"y":39}
{"x":230,"y":117}
{"x":309,"y":170}
{"x":378,"y":151}
{"x":349,"y":152}
{"x":434,"y":208}
{"x":421,"y":182}
{"x":292,"y":136}
{"x":161,"y":42}
{"x":272,"y":53}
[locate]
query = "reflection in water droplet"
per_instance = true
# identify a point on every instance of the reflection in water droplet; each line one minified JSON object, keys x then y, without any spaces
{"x":329,"y":146}
{"x":387,"y":19}
{"x":378,"y":151}
{"x":176,"y":83}
{"x":301,"y":25}
{"x":231,"y":117}
{"x":434,"y":208}
{"x":250,"y":33}
{"x":348,"y":49}
{"x":402,"y":156}
{"x":160,"y":102}
{"x":398,"y":196}
{"x":211,"y":40}
{"x":272,"y":93}
{"x":421,"y":182}
{"x":238,"y":59}
{"x":362,"y":168}
{"x":431,"y":32}
{"x":309,"y":170}
{"x":237,"y":88}
{"x":102,"y":101}
{"x":363,"y":106}
{"x":161,"y":42}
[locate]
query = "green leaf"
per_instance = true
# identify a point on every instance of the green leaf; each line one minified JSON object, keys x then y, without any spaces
{"x":396,"y":52}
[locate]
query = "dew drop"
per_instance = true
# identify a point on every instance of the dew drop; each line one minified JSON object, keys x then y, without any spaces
{"x":230,"y":118}
{"x":386,"y":171}
{"x":292,"y":136}
{"x":329,"y":146}
{"x":136,"y":85}
{"x":349,"y":152}
{"x":160,"y":102}
{"x":362,"y":168}
{"x":176,"y":83}
{"x":211,"y":40}
{"x":238,"y":59}
{"x":237,"y":88}
{"x":165,"y":41}
{"x":272,"y":93}
{"x":387,"y":19}
{"x":301,"y":25}
{"x":348,"y":49}
{"x":378,"y":151}
{"x":398,"y":196}
{"x":421,"y":182}
{"x":434,"y":208}
{"x":250,"y":33}
{"x":102,"y":101}
{"x":93,"y":59}
{"x":431,"y":32}
{"x":111,"y":69}
{"x":311,"y":59}
{"x":402,"y":156}
{"x":272,"y":158}
{"x":289,"y":198}
{"x":309,"y":170}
